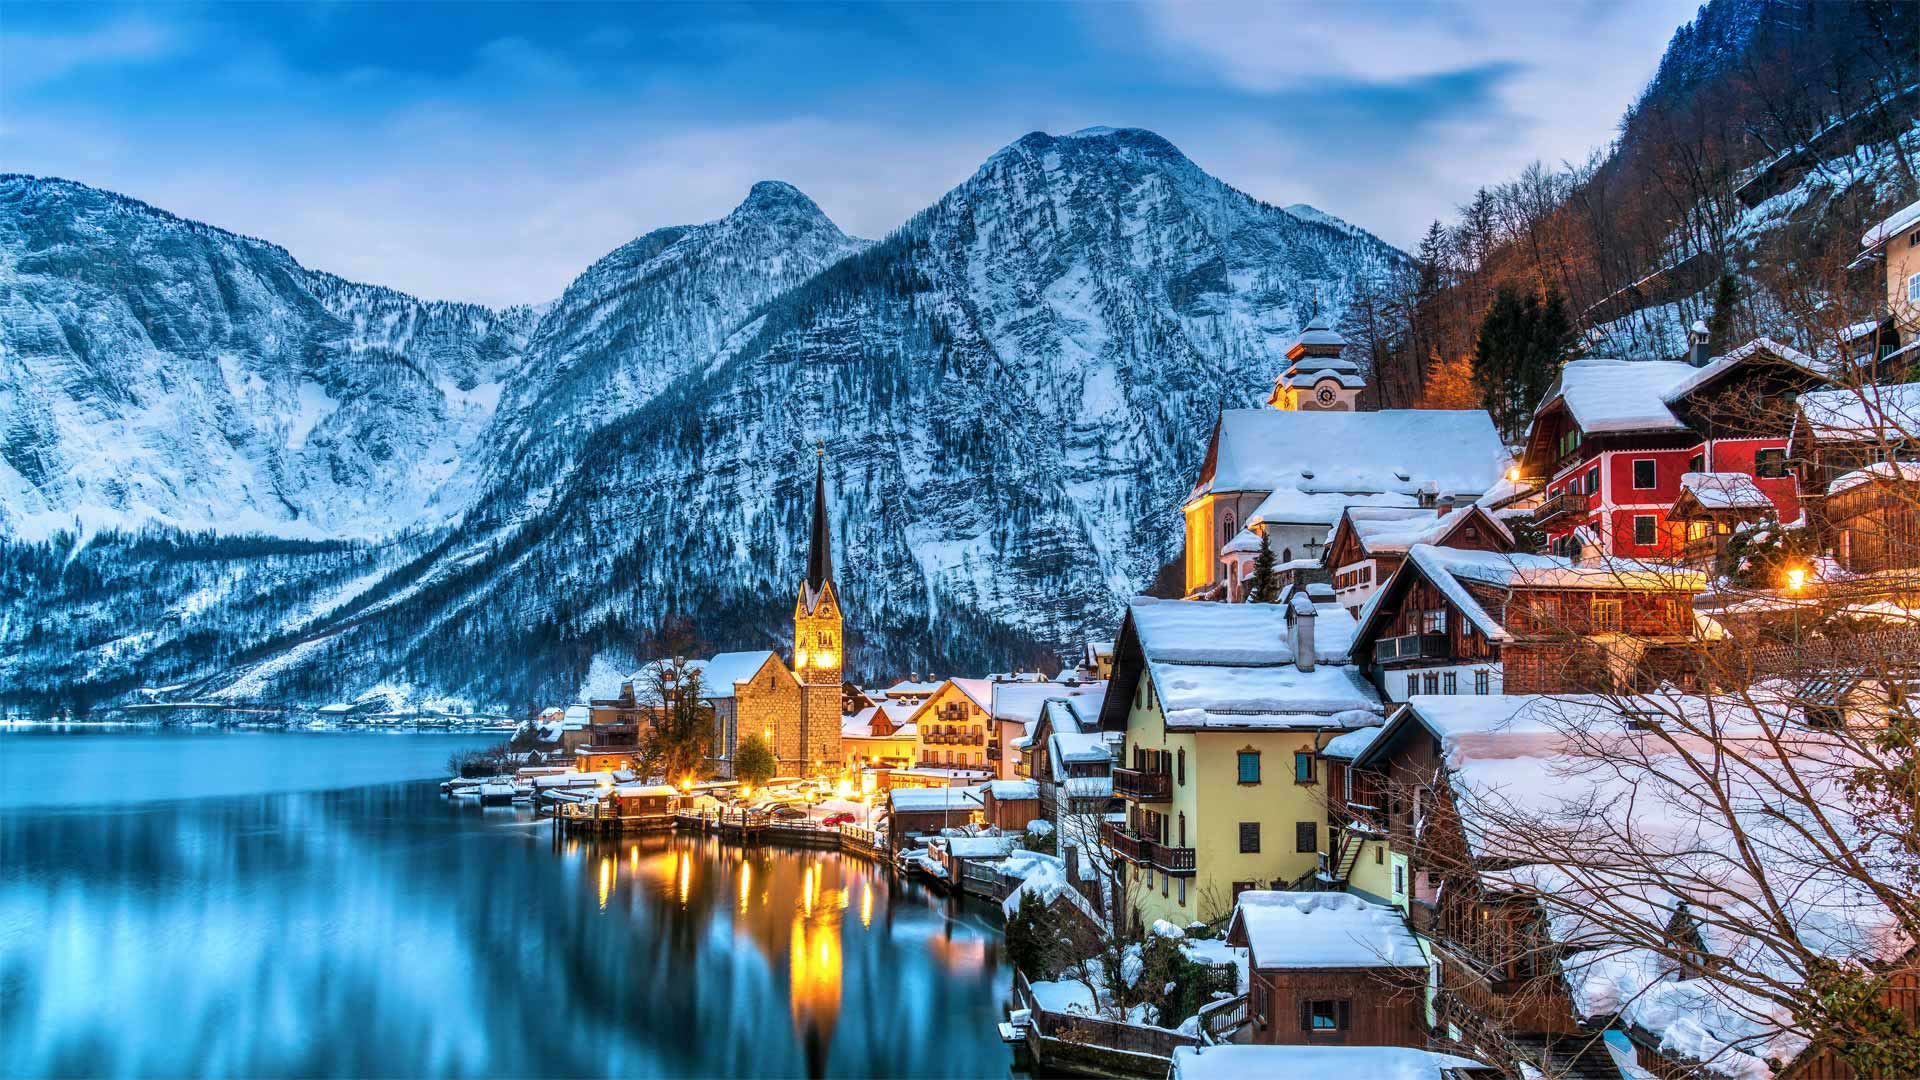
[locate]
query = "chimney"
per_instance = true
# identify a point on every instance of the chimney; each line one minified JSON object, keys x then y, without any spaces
{"x":1443,"y":505}
{"x":1300,"y":617}
{"x":1697,"y":344}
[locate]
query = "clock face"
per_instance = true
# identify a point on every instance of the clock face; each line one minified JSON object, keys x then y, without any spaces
{"x":1325,"y":395}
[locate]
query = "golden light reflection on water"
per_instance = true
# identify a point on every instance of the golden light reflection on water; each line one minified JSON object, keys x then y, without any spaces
{"x":866,"y":905}
{"x":606,"y":880}
{"x":686,"y":880}
{"x":746,"y":884}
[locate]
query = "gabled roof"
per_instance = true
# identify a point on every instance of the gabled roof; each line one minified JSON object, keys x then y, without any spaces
{"x":1907,"y":217}
{"x":1450,"y":570}
{"x":1231,"y":666}
{"x":1383,"y":531}
{"x":1394,"y":451}
{"x":1321,"y":930}
{"x":1720,"y":491}
{"x":1871,"y":413}
{"x":1606,"y":395}
{"x":718,"y":675}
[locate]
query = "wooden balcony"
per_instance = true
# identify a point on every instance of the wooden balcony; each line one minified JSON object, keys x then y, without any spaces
{"x":1142,"y":851}
{"x":1564,"y":504}
{"x":1142,"y":786}
{"x":1407,"y":648}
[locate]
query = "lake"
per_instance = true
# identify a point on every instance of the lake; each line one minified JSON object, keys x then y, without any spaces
{"x":161,"y":915}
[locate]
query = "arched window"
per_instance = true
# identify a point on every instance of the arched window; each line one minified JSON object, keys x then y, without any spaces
{"x":1286,"y":554}
{"x":1227,"y":526}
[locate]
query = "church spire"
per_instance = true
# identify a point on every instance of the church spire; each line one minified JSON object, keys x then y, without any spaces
{"x":820,"y":547}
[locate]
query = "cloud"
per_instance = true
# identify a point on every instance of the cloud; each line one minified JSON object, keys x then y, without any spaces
{"x":28,"y":58}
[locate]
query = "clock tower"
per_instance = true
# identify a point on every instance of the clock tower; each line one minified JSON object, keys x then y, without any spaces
{"x":1318,"y":376}
{"x":819,"y":650}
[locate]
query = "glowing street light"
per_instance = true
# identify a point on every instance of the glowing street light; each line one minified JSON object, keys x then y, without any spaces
{"x":1796,"y":578}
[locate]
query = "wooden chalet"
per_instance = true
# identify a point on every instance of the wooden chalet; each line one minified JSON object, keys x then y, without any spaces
{"x":1329,"y":969}
{"x":1369,"y":543}
{"x":1613,"y":438}
{"x":1482,"y":622}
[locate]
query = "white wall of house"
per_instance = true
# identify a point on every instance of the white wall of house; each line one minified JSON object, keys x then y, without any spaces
{"x":1393,"y":681}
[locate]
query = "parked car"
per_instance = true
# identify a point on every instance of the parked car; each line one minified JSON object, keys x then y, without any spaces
{"x":841,"y":818}
{"x":788,"y":813}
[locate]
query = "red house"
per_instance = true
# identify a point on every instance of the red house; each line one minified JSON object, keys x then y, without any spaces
{"x":1613,"y":439}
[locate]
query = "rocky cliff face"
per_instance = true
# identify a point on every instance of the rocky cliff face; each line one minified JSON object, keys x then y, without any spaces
{"x":1013,"y":391}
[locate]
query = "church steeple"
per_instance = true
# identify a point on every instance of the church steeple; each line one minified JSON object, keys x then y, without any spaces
{"x":820,"y":546}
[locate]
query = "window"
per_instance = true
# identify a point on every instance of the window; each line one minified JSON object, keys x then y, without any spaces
{"x":1913,"y":289}
{"x":1697,"y":463}
{"x":1163,"y":883}
{"x":1249,"y":766}
{"x":1180,"y":767}
{"x":1227,"y":530}
{"x":1346,"y":780}
{"x":1606,"y":616}
{"x":1325,"y":1017}
{"x":1593,"y":481}
{"x":1413,"y":683}
{"x":1302,"y":767}
{"x":1181,"y":886}
{"x":1450,"y":683}
{"x":1249,"y":838}
{"x":1433,"y":622}
{"x":1183,"y":829}
{"x":1646,"y":530}
{"x":1379,"y":855}
{"x":1306,"y":836}
{"x":1831,"y":717}
{"x":1431,"y":682}
{"x":1399,"y":880}
{"x":1546,"y":612}
{"x":1481,"y":681}
{"x":1261,"y":1002}
{"x":1770,"y":463}
{"x":1644,"y":473}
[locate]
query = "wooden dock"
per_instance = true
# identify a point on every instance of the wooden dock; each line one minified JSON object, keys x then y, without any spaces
{"x":744,"y":826}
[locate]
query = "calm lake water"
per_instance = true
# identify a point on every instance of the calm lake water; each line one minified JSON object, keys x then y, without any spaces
{"x":158,"y":920}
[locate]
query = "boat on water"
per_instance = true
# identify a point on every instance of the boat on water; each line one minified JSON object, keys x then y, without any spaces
{"x":497,"y":792}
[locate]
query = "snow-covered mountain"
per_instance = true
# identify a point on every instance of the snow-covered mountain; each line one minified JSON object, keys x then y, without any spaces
{"x":1013,"y":390}
{"x":159,"y":370}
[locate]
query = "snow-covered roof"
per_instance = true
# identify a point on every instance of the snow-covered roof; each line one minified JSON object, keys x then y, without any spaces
{"x":1390,"y":451}
{"x":1231,"y":666}
{"x":1022,"y":701}
{"x":1087,"y":787}
{"x":1870,"y":413}
{"x":1574,"y":772}
{"x":1322,"y":930}
{"x":1619,"y":395}
{"x":860,"y":724}
{"x":1725,"y":491}
{"x":1350,"y":745}
{"x":1254,"y":1061}
{"x":1879,"y":470}
{"x":1245,"y":540}
{"x":727,"y":668}
{"x":1899,"y":221}
{"x":578,"y":716}
{"x":911,"y":799}
{"x":976,"y":847}
{"x":1720,"y":365}
{"x":905,"y":688}
{"x":978,"y":691}
{"x":1079,"y":746}
{"x":1010,"y":790}
{"x":656,"y":791}
{"x":1451,"y":569}
{"x":1381,"y":530}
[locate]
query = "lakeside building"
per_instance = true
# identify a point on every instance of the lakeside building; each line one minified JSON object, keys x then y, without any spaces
{"x":1222,"y":710}
{"x":1329,"y":968}
{"x":880,"y":736}
{"x":951,"y":725}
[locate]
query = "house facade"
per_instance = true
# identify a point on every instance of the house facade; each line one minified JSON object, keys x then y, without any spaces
{"x":1613,"y":439}
{"x":1222,"y":709}
{"x":1453,"y":622}
{"x":951,"y":725}
{"x":1368,"y":544}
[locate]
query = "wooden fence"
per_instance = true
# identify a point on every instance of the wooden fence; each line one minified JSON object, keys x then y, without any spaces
{"x":1093,"y":1032}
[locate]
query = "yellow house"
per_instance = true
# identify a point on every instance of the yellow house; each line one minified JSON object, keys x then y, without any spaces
{"x":1897,"y":239}
{"x":879,"y":736}
{"x":1225,"y":708}
{"x":951,"y":725}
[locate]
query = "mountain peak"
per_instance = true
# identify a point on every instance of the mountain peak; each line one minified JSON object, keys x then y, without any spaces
{"x":776,"y":196}
{"x":1100,"y":143}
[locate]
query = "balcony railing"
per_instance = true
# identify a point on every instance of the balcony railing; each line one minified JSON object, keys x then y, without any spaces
{"x":1141,"y":784}
{"x":1567,"y":502}
{"x":1410,"y":647}
{"x":1142,"y":851}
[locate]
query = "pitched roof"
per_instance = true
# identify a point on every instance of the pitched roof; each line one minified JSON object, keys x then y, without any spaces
{"x":1232,"y":666}
{"x":1255,"y":1061}
{"x":1865,"y":414}
{"x":718,"y":675}
{"x":1606,"y":395}
{"x":1322,"y":930}
{"x":1393,"y":451}
{"x":819,"y":542}
{"x":1381,"y":530}
{"x":1893,"y":225}
{"x":1725,"y":491}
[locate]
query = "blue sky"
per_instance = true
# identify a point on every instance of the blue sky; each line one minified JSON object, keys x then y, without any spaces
{"x":489,"y":152}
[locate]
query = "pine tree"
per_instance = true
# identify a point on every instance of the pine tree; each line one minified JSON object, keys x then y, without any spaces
{"x":1264,"y":586}
{"x":1520,"y":346}
{"x":753,"y":762}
